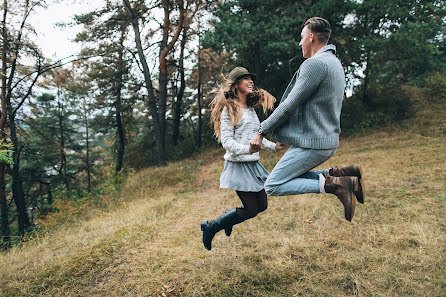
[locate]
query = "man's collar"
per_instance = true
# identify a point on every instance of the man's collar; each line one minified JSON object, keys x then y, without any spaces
{"x":328,"y":47}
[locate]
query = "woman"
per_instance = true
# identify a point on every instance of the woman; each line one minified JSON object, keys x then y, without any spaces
{"x":235,"y":123}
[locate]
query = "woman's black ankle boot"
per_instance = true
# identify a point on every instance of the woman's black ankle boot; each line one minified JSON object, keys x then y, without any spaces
{"x":210,"y":228}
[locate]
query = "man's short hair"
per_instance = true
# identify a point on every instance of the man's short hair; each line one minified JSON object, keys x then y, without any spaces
{"x":320,"y":28}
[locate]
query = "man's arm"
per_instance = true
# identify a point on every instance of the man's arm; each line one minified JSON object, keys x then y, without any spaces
{"x":312,"y":73}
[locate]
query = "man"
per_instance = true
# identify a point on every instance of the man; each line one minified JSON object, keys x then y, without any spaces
{"x":308,"y":119}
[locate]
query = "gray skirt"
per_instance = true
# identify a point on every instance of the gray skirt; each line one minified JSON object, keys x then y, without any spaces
{"x":243,"y":176}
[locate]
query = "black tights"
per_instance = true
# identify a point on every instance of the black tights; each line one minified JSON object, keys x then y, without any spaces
{"x":253,"y":203}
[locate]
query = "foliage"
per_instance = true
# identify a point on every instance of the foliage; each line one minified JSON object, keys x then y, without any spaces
{"x":387,"y":106}
{"x":382,"y":45}
{"x":261,"y":35}
{"x":436,"y":84}
{"x":5,"y":152}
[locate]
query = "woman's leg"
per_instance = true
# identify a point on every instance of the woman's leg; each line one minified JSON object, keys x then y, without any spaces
{"x":262,"y":200}
{"x":253,"y":203}
{"x":250,"y":207}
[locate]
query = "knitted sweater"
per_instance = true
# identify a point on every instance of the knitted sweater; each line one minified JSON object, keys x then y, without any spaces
{"x":235,"y":139}
{"x":308,"y":115}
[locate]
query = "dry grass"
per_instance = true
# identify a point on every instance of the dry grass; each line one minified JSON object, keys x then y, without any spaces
{"x":149,"y":244}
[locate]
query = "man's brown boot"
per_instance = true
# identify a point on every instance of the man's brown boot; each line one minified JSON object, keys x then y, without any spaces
{"x":353,"y":170}
{"x":343,"y":187}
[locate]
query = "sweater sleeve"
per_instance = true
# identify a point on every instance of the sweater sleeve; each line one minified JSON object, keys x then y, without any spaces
{"x":311,"y":73}
{"x":269,"y":145}
{"x":227,"y":136}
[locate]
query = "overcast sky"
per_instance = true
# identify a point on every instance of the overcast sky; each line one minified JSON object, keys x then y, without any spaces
{"x":57,"y":42}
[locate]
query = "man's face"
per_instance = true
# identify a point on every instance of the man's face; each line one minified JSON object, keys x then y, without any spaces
{"x":306,"y":42}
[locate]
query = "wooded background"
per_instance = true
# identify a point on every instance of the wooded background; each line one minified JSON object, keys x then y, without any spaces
{"x":138,"y":94}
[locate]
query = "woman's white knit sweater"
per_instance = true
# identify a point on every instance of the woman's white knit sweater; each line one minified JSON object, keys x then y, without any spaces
{"x":235,"y":139}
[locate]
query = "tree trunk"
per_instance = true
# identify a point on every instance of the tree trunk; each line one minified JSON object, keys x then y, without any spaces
{"x":43,"y":208}
{"x":165,"y":48}
{"x":87,"y":142}
{"x":199,"y":90}
{"x":5,"y":231}
{"x":63,"y":157}
{"x":159,"y":153}
{"x":158,"y":112}
{"x":365,"y":96}
{"x":179,"y":101}
{"x":17,"y":187}
{"x":49,"y":194}
{"x":119,"y":126}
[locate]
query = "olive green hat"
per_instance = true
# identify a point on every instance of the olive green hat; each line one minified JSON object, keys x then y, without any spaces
{"x":238,"y":72}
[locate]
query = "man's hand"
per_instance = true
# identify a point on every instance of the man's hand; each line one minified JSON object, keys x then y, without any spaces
{"x":279,"y":146}
{"x":257,"y":140}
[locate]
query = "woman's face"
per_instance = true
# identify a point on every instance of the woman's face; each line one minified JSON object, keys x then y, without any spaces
{"x":245,"y":85}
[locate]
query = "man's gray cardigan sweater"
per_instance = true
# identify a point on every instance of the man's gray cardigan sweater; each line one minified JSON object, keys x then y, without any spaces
{"x":308,"y":115}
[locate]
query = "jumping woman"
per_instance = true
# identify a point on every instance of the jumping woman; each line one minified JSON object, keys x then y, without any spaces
{"x":235,"y":123}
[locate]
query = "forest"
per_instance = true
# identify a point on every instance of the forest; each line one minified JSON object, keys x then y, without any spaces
{"x":137,"y":96}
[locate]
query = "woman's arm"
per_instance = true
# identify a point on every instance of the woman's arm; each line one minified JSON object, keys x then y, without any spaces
{"x":227,"y":136}
{"x":269,"y":145}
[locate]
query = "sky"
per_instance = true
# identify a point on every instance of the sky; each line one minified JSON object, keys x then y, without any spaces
{"x":57,"y":42}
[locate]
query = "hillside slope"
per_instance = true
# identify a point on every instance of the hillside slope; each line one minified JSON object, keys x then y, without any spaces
{"x":149,"y":243}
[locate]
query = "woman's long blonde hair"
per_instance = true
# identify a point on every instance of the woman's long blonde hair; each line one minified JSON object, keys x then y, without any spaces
{"x":227,"y":97}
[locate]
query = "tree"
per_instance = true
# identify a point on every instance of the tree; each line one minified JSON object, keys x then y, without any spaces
{"x":394,"y":42}
{"x":11,"y":84}
{"x":5,"y":230}
{"x":190,"y":14}
{"x":157,"y":105}
{"x":105,"y":33}
{"x":22,"y":65}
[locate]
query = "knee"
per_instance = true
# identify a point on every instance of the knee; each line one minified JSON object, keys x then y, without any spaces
{"x":269,"y":188}
{"x":263,"y":207}
{"x":249,"y":213}
{"x":252,"y":213}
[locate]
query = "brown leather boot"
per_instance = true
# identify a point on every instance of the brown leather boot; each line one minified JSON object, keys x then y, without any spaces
{"x":343,"y":187}
{"x":353,"y":170}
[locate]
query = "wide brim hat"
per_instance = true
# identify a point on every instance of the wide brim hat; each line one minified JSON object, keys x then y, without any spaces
{"x":239,"y":72}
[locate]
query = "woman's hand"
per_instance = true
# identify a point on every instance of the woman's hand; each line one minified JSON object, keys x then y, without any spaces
{"x":279,"y":146}
{"x":254,"y":148}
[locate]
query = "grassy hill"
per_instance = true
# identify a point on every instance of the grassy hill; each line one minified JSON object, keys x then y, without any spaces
{"x":146,"y":241}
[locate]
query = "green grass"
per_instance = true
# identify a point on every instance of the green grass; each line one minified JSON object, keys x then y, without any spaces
{"x":148,"y":241}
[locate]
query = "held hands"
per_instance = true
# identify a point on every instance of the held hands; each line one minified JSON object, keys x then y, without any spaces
{"x":256,"y":143}
{"x":254,"y":148}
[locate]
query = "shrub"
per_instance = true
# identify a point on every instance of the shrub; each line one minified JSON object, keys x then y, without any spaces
{"x":386,"y":105}
{"x":436,"y":85}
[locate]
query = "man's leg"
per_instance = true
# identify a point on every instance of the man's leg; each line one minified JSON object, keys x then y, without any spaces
{"x":292,"y":174}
